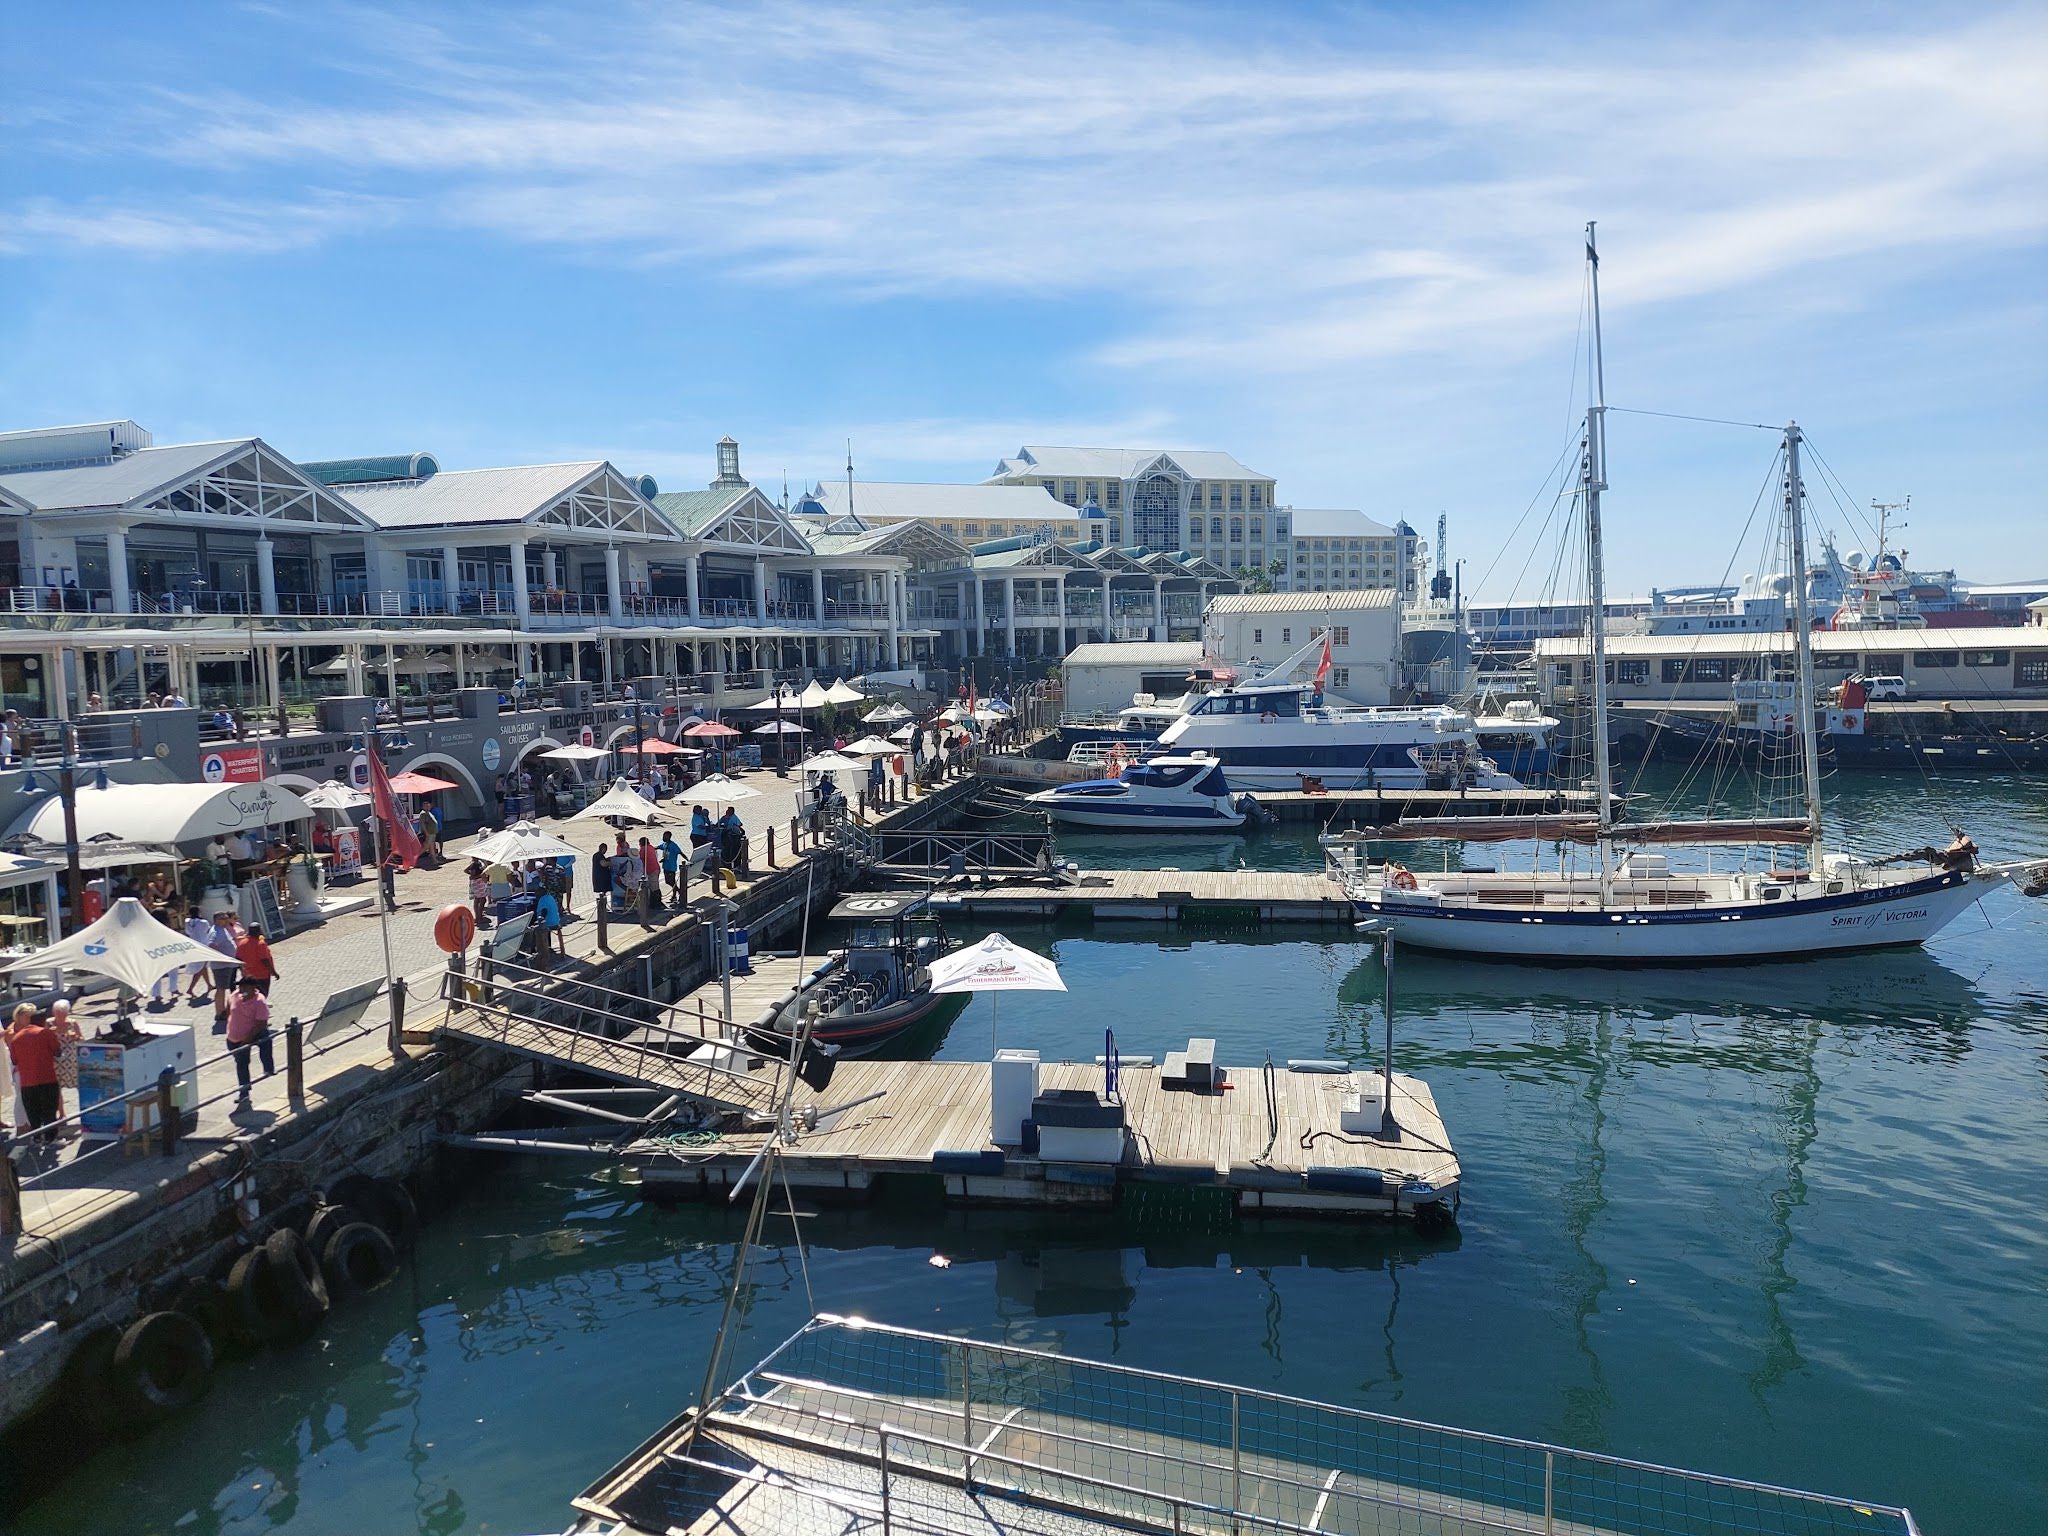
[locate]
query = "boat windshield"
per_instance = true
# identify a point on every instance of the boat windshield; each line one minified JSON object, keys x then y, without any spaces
{"x":1274,"y":701}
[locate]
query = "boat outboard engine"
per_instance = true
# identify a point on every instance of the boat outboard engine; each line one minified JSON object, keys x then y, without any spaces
{"x":1253,"y":811}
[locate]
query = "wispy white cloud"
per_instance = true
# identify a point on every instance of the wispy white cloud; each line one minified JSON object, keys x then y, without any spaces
{"x":1284,"y":201}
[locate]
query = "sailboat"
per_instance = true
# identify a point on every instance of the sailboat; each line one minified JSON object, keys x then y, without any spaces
{"x":1633,"y":906}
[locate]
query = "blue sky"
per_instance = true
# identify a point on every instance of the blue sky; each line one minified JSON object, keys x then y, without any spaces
{"x":1341,"y":242}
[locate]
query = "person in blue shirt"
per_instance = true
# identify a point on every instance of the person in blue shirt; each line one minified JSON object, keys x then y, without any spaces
{"x":671,"y":864}
{"x":547,"y":922}
{"x":700,"y":826}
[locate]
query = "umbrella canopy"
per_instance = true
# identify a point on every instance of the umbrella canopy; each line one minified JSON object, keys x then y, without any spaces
{"x":333,"y":666}
{"x":104,"y":852}
{"x":779,"y":728}
{"x":904,"y":734}
{"x":717,"y":787}
{"x":624,"y":803}
{"x":519,"y":842}
{"x":416,"y":664}
{"x":127,"y":945}
{"x":710,"y":728}
{"x":843,"y":692}
{"x":575,"y":752}
{"x":418,"y":784}
{"x":164,"y":813}
{"x":873,"y":746}
{"x":335,"y":796}
{"x":815,"y":696}
{"x":995,"y":965}
{"x":654,"y":746}
{"x":828,"y":762}
{"x":885,"y":714}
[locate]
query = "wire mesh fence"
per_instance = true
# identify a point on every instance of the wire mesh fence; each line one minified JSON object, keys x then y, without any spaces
{"x":925,"y":1417}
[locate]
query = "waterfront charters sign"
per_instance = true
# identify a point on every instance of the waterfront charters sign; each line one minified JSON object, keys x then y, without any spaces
{"x":231,"y":765}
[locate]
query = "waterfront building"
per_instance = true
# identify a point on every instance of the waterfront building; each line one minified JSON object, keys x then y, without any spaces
{"x":1339,"y":549}
{"x":1937,"y":663}
{"x":1100,"y":679}
{"x":1364,"y":628}
{"x":1207,"y":503}
{"x":973,"y":514}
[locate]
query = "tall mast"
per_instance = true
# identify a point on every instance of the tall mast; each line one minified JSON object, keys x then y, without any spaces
{"x":1802,"y":641}
{"x":1592,"y":481}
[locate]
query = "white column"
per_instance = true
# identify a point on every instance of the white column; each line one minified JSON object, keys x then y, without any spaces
{"x":451,"y":579}
{"x":550,"y":569}
{"x":522,"y":595}
{"x":690,"y":586}
{"x":889,"y":591}
{"x":266,"y":574}
{"x":117,"y":570}
{"x":761,"y":590}
{"x":818,"y":592}
{"x":1010,"y":615}
{"x":980,"y":617}
{"x":1159,"y":601}
{"x":271,"y":677}
{"x":1059,"y":604}
{"x":614,"y":595}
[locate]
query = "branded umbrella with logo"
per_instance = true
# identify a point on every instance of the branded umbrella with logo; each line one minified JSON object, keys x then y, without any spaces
{"x":995,"y":965}
{"x":127,"y":945}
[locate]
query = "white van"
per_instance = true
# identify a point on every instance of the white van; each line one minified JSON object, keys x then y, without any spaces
{"x":1885,"y":687}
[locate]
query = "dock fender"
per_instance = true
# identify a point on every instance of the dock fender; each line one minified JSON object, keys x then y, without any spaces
{"x":327,"y":1221}
{"x":296,"y":1274}
{"x":164,"y":1362}
{"x":357,"y":1258}
{"x":384,"y":1203}
{"x":201,"y":1300}
{"x":259,"y":1310}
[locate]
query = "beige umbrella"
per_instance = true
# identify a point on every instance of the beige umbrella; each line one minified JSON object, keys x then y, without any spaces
{"x":127,"y":945}
{"x":722,"y":790}
{"x":622,"y":802}
{"x":843,"y":692}
{"x":873,"y":746}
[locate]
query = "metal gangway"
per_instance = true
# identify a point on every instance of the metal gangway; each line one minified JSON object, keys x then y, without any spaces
{"x":675,"y":1049}
{"x":851,"y":1425}
{"x":930,"y":852}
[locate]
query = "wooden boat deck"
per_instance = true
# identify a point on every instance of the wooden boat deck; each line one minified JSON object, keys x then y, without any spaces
{"x":1161,"y":895}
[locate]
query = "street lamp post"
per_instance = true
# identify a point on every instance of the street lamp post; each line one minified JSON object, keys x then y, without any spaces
{"x":639,"y":741}
{"x":67,"y":797}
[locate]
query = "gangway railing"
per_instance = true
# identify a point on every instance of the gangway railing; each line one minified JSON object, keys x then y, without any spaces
{"x":972,"y":852}
{"x":912,"y":1430}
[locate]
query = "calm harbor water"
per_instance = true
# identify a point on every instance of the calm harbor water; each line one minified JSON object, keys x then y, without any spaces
{"x":1780,"y":1222}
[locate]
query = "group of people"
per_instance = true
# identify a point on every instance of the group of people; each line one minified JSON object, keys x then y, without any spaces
{"x":42,"y":1056}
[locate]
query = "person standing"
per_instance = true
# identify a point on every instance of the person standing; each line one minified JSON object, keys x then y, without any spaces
{"x":259,"y":965}
{"x":249,"y":1027}
{"x":601,"y":878}
{"x":629,"y":877}
{"x":33,"y":1048}
{"x":650,"y":868}
{"x":547,"y":922}
{"x":672,"y":865}
{"x":221,"y":936}
{"x":199,"y":978}
{"x":69,"y":1037}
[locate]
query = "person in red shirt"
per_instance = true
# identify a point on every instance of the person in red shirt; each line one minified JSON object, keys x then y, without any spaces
{"x":258,"y":964}
{"x":34,"y":1046}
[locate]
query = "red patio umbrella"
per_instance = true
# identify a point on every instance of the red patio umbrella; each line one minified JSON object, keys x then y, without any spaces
{"x":710,"y":728}
{"x":655,"y":746}
{"x":419,"y":783}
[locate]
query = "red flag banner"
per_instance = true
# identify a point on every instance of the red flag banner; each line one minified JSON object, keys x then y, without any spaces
{"x":399,"y":837}
{"x":1323,"y":666}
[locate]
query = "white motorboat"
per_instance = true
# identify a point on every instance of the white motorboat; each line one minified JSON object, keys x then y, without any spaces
{"x":1632,"y":905}
{"x":1166,"y":793}
{"x":1274,"y":733}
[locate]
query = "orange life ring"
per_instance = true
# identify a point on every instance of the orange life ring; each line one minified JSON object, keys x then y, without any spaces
{"x":1401,"y":879}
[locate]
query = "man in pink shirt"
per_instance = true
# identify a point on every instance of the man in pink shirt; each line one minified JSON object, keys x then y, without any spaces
{"x":650,"y":861}
{"x":249,"y":1025}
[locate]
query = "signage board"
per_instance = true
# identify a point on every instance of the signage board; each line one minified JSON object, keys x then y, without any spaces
{"x":269,"y":914}
{"x":348,"y":851}
{"x":231,"y":765}
{"x":102,"y":1084}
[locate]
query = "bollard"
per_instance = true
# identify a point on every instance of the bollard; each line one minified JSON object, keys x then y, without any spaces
{"x":771,"y":847}
{"x":796,"y":843}
{"x":167,"y":1109}
{"x":10,"y":1187}
{"x":294,"y":1060}
{"x":604,"y":922}
{"x":392,"y":1039}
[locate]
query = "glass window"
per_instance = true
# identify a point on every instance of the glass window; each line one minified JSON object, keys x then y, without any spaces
{"x":1287,"y":637}
{"x":2030,"y":672}
{"x":1935,"y":658}
{"x":1629,"y":671}
{"x":1116,"y":493}
{"x":1258,"y":496}
{"x":1069,"y":494}
{"x":1215,"y":497}
{"x":1091,"y":493}
{"x":1051,"y":485}
{"x":1237,"y":530}
{"x":1984,"y":658}
{"x":1258,"y":637}
{"x":1236,"y":498}
{"x":1258,"y":530}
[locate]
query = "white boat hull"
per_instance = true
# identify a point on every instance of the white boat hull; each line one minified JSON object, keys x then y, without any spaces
{"x":1792,"y":928}
{"x":1143,"y":818}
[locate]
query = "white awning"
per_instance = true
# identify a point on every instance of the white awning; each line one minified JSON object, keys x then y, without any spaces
{"x":164,"y":813}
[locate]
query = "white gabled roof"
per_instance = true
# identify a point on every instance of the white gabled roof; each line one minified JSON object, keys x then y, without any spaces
{"x":117,"y":482}
{"x":598,"y":499}
{"x":1136,"y":653}
{"x":1121,"y":463}
{"x":1335,"y":523}
{"x":900,"y":500}
{"x":1310,"y":605}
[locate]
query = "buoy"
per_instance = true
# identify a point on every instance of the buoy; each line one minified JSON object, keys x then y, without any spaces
{"x":164,"y":1362}
{"x":358,"y":1258}
{"x":454,"y":928}
{"x":1402,"y":879}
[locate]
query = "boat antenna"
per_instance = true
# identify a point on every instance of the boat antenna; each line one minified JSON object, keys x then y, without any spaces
{"x":1802,"y":641}
{"x":1592,"y":481}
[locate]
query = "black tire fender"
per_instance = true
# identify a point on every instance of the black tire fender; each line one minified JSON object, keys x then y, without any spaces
{"x":297,"y":1276}
{"x":202,"y":1301}
{"x":327,"y":1221}
{"x":164,"y":1362}
{"x":358,"y":1258}
{"x":397,"y":1214}
{"x":260,"y":1307}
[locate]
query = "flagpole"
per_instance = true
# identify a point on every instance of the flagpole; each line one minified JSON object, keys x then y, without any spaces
{"x":383,"y":912}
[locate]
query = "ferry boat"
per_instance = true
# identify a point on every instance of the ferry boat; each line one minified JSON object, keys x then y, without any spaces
{"x":1160,"y":794}
{"x":1632,"y":905}
{"x":876,"y":987}
{"x":1516,"y":736}
{"x":1272,"y":733}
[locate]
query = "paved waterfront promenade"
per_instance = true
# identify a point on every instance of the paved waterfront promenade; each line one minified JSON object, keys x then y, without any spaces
{"x":63,"y":1193}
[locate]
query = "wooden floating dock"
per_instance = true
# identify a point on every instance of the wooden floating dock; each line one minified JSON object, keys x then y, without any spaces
{"x":929,"y":1121}
{"x":1164,"y":895}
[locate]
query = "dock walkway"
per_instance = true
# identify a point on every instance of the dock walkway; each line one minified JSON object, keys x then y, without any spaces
{"x":1163,"y":895}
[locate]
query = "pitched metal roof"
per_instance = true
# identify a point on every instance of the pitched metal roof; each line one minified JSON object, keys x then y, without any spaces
{"x":1121,"y":463}
{"x":470,"y":496}
{"x":901,"y":499}
{"x":694,"y":511}
{"x":118,"y":482}
{"x":1136,"y":653}
{"x":377,"y":467}
{"x":1335,"y":523}
{"x":1309,"y":604}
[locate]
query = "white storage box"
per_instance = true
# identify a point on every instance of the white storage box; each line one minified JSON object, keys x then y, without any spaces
{"x":1364,"y":1111}
{"x":1012,"y":1085}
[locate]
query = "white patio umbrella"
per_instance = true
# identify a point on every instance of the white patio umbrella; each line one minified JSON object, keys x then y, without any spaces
{"x":127,"y":945}
{"x":721,"y":790}
{"x":885,"y":714}
{"x":335,"y":796}
{"x":575,"y":752}
{"x":625,"y":803}
{"x":843,"y":692}
{"x":520,"y":842}
{"x":779,"y":728}
{"x":873,"y":746}
{"x":995,"y":965}
{"x":828,"y":762}
{"x":815,"y":696}
{"x":903,"y":734}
